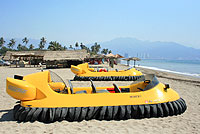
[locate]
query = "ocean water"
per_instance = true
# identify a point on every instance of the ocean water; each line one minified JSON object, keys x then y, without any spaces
{"x":186,"y":67}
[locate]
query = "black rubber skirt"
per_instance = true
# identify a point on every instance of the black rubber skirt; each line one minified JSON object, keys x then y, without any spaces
{"x":107,"y":78}
{"x":124,"y":112}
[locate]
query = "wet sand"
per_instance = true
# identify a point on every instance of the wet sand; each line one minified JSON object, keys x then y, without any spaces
{"x":187,"y":87}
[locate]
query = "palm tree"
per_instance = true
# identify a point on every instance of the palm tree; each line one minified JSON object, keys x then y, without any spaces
{"x":104,"y":51}
{"x":109,"y":51}
{"x":83,"y":46}
{"x":2,"y":41}
{"x":76,"y":45}
{"x":88,"y":49}
{"x":11,"y":44}
{"x":31,"y":47}
{"x":70,"y":46}
{"x":54,"y":45}
{"x":64,"y":48}
{"x":98,"y":47}
{"x":42,"y":43}
{"x":25,"y":40}
{"x":19,"y":47}
{"x":95,"y":48}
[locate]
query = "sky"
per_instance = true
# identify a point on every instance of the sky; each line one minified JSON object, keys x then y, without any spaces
{"x":88,"y":21}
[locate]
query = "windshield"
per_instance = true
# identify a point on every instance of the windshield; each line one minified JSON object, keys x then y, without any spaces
{"x":153,"y":81}
{"x":150,"y":78}
{"x":56,"y":78}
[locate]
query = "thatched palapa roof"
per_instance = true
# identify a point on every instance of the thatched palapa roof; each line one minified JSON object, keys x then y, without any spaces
{"x":11,"y":55}
{"x":132,"y":58}
{"x":110,"y":55}
{"x":65,"y":55}
{"x":48,"y":55}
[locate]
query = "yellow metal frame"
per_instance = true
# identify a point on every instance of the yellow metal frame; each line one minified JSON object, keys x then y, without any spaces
{"x":34,"y":91}
{"x":84,"y":70}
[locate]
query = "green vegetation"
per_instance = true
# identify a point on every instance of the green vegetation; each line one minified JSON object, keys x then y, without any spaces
{"x":42,"y":43}
{"x":2,"y":41}
{"x":70,"y":47}
{"x":53,"y":45}
{"x":25,"y":40}
{"x":95,"y":48}
{"x":104,"y":51}
{"x":76,"y":45}
{"x":11,"y":44}
{"x":31,"y":47}
{"x":3,"y":50}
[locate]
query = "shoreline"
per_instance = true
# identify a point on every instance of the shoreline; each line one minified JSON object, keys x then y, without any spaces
{"x":173,"y":67}
{"x":172,"y":76}
{"x":168,"y":75}
{"x":170,"y":71}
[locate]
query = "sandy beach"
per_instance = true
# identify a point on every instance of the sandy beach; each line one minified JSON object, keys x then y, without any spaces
{"x":187,"y":87}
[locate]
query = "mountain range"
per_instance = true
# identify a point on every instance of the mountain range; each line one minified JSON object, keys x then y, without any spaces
{"x":131,"y":47}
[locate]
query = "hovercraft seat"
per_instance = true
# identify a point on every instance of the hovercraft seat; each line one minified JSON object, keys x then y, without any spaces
{"x":97,"y":91}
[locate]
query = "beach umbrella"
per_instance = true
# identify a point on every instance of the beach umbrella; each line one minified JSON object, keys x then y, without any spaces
{"x":132,"y":58}
{"x":110,"y":55}
{"x":118,"y":56}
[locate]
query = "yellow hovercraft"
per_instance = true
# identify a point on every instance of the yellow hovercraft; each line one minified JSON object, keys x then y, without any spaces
{"x":44,"y":99}
{"x":84,"y":73}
